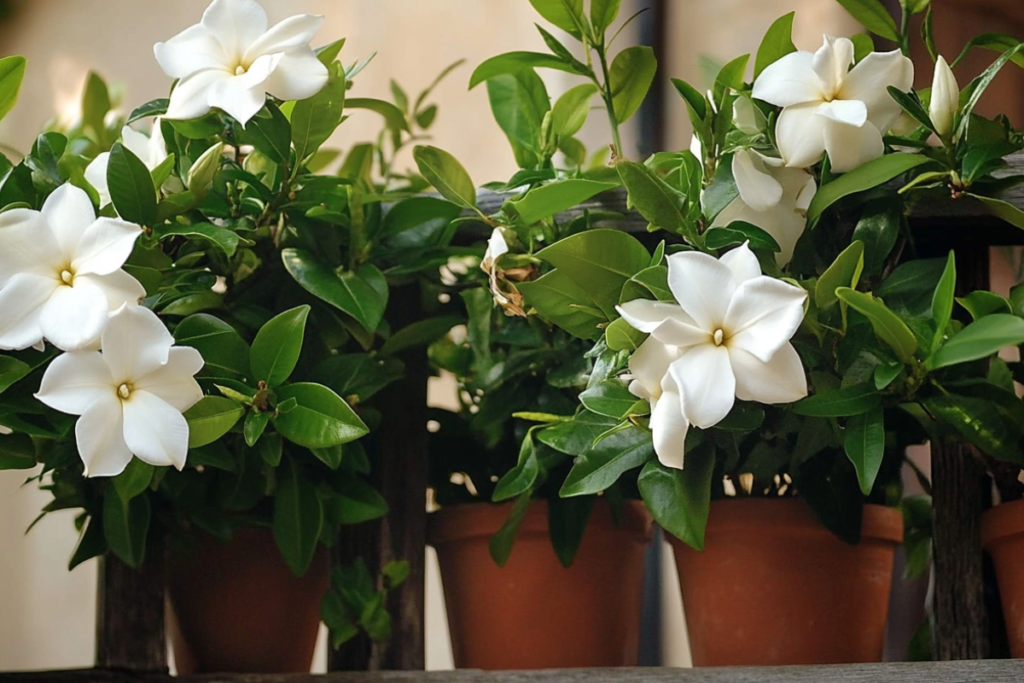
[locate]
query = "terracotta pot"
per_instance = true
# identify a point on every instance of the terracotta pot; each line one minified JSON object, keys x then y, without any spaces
{"x":533,"y":613}
{"x":1002,"y":536}
{"x":773,"y":586}
{"x":237,"y":607}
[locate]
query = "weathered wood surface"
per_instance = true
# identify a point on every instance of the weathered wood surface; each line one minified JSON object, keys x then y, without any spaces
{"x":986,"y":671}
{"x":130,"y":613}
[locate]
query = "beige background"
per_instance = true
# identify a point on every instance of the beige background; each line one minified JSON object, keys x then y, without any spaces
{"x":46,"y":613}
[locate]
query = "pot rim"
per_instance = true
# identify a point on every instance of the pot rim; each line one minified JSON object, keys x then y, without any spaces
{"x":879,"y":523}
{"x":465,"y":521}
{"x":1001,"y":522}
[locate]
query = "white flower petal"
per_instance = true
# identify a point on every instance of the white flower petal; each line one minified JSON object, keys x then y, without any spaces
{"x":849,"y":112}
{"x":156,"y":146}
{"x":945,"y":99}
{"x":68,"y":211}
{"x":235,"y":23}
{"x":806,"y":189}
{"x":27,"y":245}
{"x":174,"y":383}
{"x":287,"y":35}
{"x":706,"y":384}
{"x":298,"y":75}
{"x":669,"y":426}
{"x":96,"y":174}
{"x":742,"y":262}
{"x":665,"y":321}
{"x":764,"y":315}
{"x":649,"y":367}
{"x":703,"y":287}
{"x":74,"y":381}
{"x":193,"y":50}
{"x":135,"y":343}
{"x":74,"y":317}
{"x":800,"y":134}
{"x":744,"y":115}
{"x":21,"y":300}
{"x":758,"y":189}
{"x":190,"y":98}
{"x":831,"y":63}
{"x":137,"y":143}
{"x":849,"y":147}
{"x":869,"y":80}
{"x":100,"y":437}
{"x":789,"y":80}
{"x":104,"y":247}
{"x":119,"y":287}
{"x":244,"y":95}
{"x":780,"y":380}
{"x":154,"y":430}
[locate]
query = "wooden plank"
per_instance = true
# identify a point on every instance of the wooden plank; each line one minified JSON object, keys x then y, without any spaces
{"x":400,"y":474}
{"x":130,"y":613}
{"x":982,"y":671}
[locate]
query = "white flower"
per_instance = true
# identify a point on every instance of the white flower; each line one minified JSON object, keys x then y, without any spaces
{"x":130,"y":397}
{"x":828,"y":106}
{"x":652,"y":381}
{"x":231,"y":61}
{"x":5,"y":430}
{"x":60,"y":271}
{"x":945,"y":100}
{"x":732,"y":329}
{"x":772,"y":197}
{"x":150,"y":149}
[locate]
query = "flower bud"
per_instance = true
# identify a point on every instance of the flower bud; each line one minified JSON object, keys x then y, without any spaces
{"x":200,"y":176}
{"x":945,"y":100}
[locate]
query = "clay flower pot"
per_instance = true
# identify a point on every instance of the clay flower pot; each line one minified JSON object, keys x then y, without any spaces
{"x":1002,"y":536}
{"x":773,"y":586}
{"x":237,"y":607}
{"x":533,"y":613}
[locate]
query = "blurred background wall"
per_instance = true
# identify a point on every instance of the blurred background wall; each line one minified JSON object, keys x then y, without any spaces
{"x":46,"y":613}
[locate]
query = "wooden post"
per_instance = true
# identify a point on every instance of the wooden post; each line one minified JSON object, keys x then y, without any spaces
{"x":960,"y":490}
{"x":400,"y":473}
{"x":130,"y":613}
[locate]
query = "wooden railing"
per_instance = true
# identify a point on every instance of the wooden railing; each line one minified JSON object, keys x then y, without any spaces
{"x":130,"y":623}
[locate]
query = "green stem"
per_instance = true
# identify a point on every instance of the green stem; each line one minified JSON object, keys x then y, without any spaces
{"x":609,"y":104}
{"x":904,"y":36}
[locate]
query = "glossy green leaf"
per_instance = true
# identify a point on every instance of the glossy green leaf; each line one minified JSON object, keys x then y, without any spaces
{"x":887,"y":325}
{"x":219,"y":343}
{"x":737,"y":233}
{"x":271,"y":135}
{"x":978,"y":303}
{"x":547,"y":200}
{"x":942,"y":302}
{"x":355,"y":502}
{"x":277,"y":345}
{"x":610,"y":398}
{"x":567,"y":523}
{"x":874,"y":17}
{"x":134,"y":480}
{"x":320,"y":420}
{"x":225,"y":239}
{"x":211,"y":419}
{"x":603,"y":14}
{"x":95,"y":103}
{"x":316,"y":118}
{"x":979,"y":85}
{"x":571,"y":109}
{"x":600,"y":467}
{"x":446,"y":174}
{"x":864,"y":443}
{"x":500,"y":545}
{"x":420,"y":333}
{"x":844,"y":272}
{"x":979,"y":422}
{"x":521,"y":478}
{"x":620,"y":335}
{"x":848,"y":401}
{"x":565,"y":14}
{"x":17,"y":452}
{"x":1005,"y":210}
{"x":393,"y":116}
{"x":357,"y":293}
{"x":125,"y":526}
{"x":519,"y":102}
{"x":12,"y":72}
{"x":254,"y":426}
{"x":777,"y":43}
{"x":864,"y":177}
{"x":558,"y":298}
{"x":631,"y":75}
{"x":11,"y":370}
{"x":513,"y":62}
{"x":298,"y":518}
{"x":655,"y":199}
{"x":131,"y":186}
{"x":679,"y":500}
{"x":980,"y":339}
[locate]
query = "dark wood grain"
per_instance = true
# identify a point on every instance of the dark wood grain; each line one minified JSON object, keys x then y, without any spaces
{"x":130,"y":613}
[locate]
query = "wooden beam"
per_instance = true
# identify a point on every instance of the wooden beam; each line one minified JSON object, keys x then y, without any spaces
{"x":130,"y":613}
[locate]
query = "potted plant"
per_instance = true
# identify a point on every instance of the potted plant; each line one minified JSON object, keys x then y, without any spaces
{"x":786,"y":339}
{"x":195,"y":325}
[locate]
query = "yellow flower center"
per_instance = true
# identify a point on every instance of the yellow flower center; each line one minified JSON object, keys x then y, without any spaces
{"x":67,"y":277}
{"x":124,"y":391}
{"x":719,"y":336}
{"x":239,"y":70}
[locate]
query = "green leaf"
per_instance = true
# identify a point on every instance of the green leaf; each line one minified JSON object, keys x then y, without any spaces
{"x":320,"y":420}
{"x":211,"y":419}
{"x":655,"y":199}
{"x":777,"y":43}
{"x":513,"y":62}
{"x":620,"y":335}
{"x":631,"y":75}
{"x":125,"y":525}
{"x":500,"y":544}
{"x":420,"y":333}
{"x":978,"y":303}
{"x":864,"y":443}
{"x":600,"y":262}
{"x":864,"y":177}
{"x":131,"y":186}
{"x":12,"y":71}
{"x":277,"y":345}
{"x":95,"y":104}
{"x":978,"y":86}
{"x":520,"y":103}
{"x":271,"y":135}
{"x":446,"y":174}
{"x":844,"y":272}
{"x":722,"y":190}
{"x":355,"y":502}
{"x":358,"y":293}
{"x":221,"y":346}
{"x":328,"y":53}
{"x":298,"y":518}
{"x":912,"y":105}
{"x":91,"y":542}
{"x":878,"y":228}
{"x":874,"y":17}
{"x":978,"y":421}
{"x":226,"y":240}
{"x":942,"y":302}
{"x":1005,"y":210}
{"x":17,"y":452}
{"x":134,"y":480}
{"x":571,"y":109}
{"x":157,"y":107}
{"x":11,"y":370}
{"x":679,"y":500}
{"x":393,"y":116}
{"x":740,"y":232}
{"x":610,"y":398}
{"x":521,"y":478}
{"x":558,"y":299}
{"x":254,"y":426}
{"x":600,"y":467}
{"x":887,"y":325}
{"x":980,"y":339}
{"x":565,"y":14}
{"x":845,"y":402}
{"x":567,"y":523}
{"x":547,"y":200}
{"x":603,"y":14}
{"x":730,"y":77}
